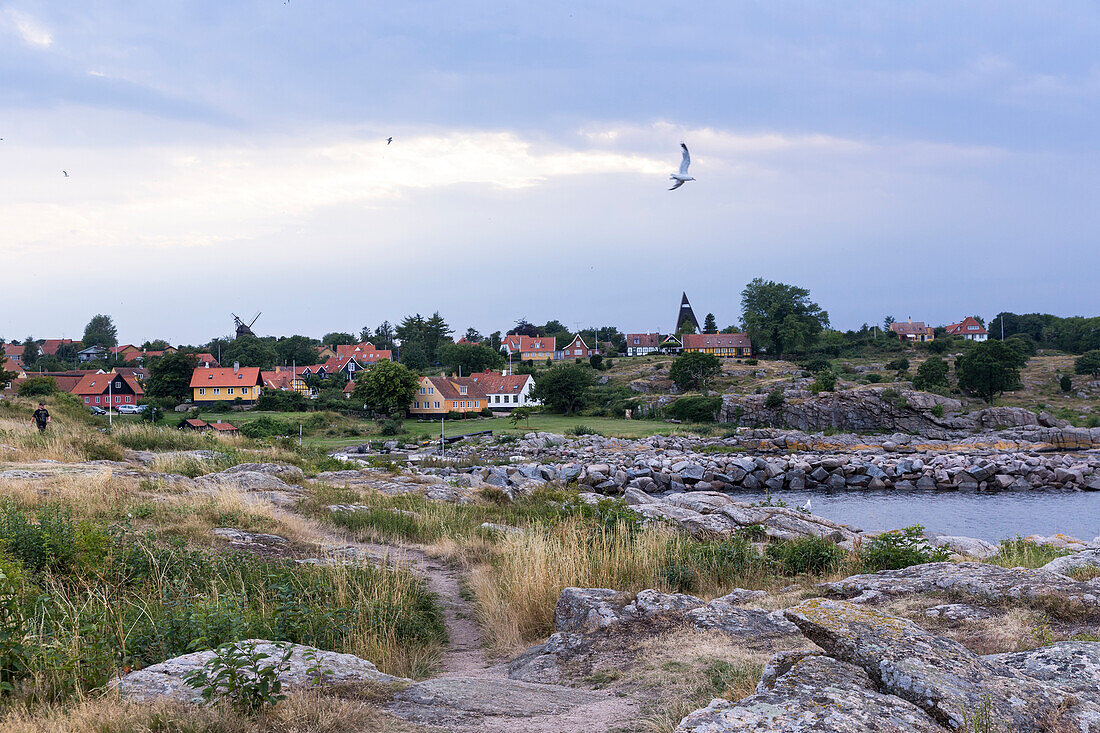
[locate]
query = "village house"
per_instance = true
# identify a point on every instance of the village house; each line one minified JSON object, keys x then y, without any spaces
{"x":969,"y":328}
{"x":14,"y":352}
{"x":640,"y":344}
{"x":538,"y":348}
{"x":225,"y":385}
{"x":578,"y":349}
{"x":286,"y":378}
{"x":720,"y":344}
{"x":223,"y":428}
{"x":126,"y":352}
{"x":109,"y":390}
{"x":672,"y":344}
{"x":207,"y":360}
{"x":438,"y":396}
{"x":506,"y":391}
{"x":912,"y":331}
{"x":194,"y":424}
{"x":91,"y":353}
{"x":324,"y":353}
{"x":49,"y":347}
{"x":364,"y":353}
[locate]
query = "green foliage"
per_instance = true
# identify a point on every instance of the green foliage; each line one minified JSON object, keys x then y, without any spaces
{"x":780,"y":317}
{"x":901,"y":364}
{"x":709,"y":324}
{"x":988,"y":369}
{"x":338,"y":338}
{"x":391,"y":426}
{"x":469,"y":358}
{"x":806,"y":555}
{"x":694,"y":565}
{"x":816,"y":364}
{"x":414,"y":356}
{"x":751,"y":362}
{"x":13,"y":649}
{"x":100,"y":331}
{"x":521,"y":414}
{"x":425,"y":336}
{"x":895,"y":398}
{"x":1075,"y":335}
{"x":563,"y":388}
{"x":695,"y":408}
{"x":250,"y":351}
{"x":900,"y":549}
{"x":874,"y":378}
{"x":37,"y":387}
{"x":937,"y":410}
{"x":296,"y":350}
{"x":1088,"y":363}
{"x":282,"y":400}
{"x":694,"y":370}
{"x":1065,"y":383}
{"x":825,"y":381}
{"x":1018,"y":552}
{"x":774,"y":399}
{"x":931,"y":374}
{"x":581,"y":429}
{"x":387,"y":387}
{"x":170,"y":376}
{"x":595,"y":361}
{"x":266,"y":426}
{"x":236,"y":673}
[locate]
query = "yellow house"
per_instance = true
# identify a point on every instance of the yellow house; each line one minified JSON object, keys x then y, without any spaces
{"x":225,"y":384}
{"x":436,"y":396}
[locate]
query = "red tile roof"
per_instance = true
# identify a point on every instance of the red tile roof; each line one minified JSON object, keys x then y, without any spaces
{"x":226,"y":377}
{"x":13,"y":349}
{"x":968,"y":326}
{"x":639,"y":340}
{"x":50,"y":346}
{"x":196,"y":423}
{"x":364,"y":352}
{"x":716,"y":341}
{"x":449,"y":388}
{"x":99,"y":384}
{"x":528,"y":344}
{"x":223,"y":427}
{"x":496,"y":383}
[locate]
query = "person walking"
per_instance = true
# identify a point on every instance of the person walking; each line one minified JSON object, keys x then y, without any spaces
{"x":41,"y":417}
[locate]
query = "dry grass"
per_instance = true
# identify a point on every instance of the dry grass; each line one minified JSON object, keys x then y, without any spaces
{"x":310,"y":711}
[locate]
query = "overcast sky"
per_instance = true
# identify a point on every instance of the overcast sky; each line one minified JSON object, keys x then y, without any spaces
{"x":933,"y":160}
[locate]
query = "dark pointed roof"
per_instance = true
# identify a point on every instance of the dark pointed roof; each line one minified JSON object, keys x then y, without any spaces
{"x":686,"y":314}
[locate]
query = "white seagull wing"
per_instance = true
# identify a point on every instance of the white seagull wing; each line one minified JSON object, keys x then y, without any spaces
{"x":676,"y":185}
{"x":686,"y":161}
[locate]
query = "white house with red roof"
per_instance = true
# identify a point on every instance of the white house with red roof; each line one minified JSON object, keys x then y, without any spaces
{"x":506,"y":391}
{"x":969,"y":328}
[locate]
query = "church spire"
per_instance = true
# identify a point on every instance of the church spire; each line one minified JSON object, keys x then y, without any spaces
{"x":686,"y":314}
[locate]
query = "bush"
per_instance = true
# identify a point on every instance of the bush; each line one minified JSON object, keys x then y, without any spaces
{"x":937,"y":410}
{"x":487,"y":412}
{"x":235,"y":674}
{"x":894,"y":397}
{"x":901,"y":364}
{"x":391,"y":426}
{"x":824,"y":382}
{"x":875,"y":378}
{"x":774,"y":399}
{"x":751,"y":362}
{"x":810,"y":555}
{"x":581,"y":429}
{"x":1065,"y":383}
{"x":931,"y":373}
{"x":900,"y":549}
{"x":38,"y":387}
{"x":266,"y":426}
{"x":281,"y":400}
{"x":816,"y":364}
{"x":1088,"y":363}
{"x":695,"y":408}
{"x":694,"y":370}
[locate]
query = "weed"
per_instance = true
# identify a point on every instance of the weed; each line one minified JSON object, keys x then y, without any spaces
{"x":900,"y":549}
{"x":235,"y":674}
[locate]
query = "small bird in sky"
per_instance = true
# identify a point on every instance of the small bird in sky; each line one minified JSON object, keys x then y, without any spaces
{"x":66,"y":173}
{"x":682,"y":177}
{"x":389,"y":140}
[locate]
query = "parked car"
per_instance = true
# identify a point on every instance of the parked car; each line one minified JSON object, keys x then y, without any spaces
{"x":128,"y":409}
{"x":98,"y":410}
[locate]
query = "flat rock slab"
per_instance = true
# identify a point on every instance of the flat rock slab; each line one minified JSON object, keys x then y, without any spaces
{"x":958,"y":612}
{"x":165,"y":680}
{"x":940,"y":676}
{"x":812,"y":693}
{"x":1071,"y":665}
{"x":978,"y":580}
{"x":446,"y":701}
{"x":1077,"y":561}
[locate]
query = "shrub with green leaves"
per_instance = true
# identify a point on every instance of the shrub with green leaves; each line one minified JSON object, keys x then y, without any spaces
{"x":932,"y":373}
{"x":695,"y":408}
{"x":806,"y":555}
{"x":901,"y":364}
{"x":899,"y":549}
{"x":237,"y":674}
{"x":774,"y":399}
{"x":824,"y":382}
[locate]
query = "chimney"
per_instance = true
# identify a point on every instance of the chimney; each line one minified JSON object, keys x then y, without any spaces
{"x":236,"y":366}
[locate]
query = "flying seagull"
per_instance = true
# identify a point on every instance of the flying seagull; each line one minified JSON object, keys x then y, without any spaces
{"x":682,"y":177}
{"x":66,"y":173}
{"x":389,"y":140}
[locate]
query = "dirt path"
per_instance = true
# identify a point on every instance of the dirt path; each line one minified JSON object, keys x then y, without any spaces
{"x":473,"y":695}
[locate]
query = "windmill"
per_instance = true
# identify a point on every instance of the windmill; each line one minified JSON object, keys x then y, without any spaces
{"x":244,"y":329}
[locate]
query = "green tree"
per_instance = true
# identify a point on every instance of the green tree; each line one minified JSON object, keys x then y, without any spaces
{"x":563,"y":388}
{"x":100,"y":331}
{"x":709,"y":324}
{"x":1088,"y":363}
{"x":473,"y":335}
{"x":694,"y":370}
{"x":38,"y":387}
{"x":931,"y":373}
{"x":154,"y":345}
{"x":470,"y":358}
{"x":365,"y":335}
{"x":521,"y":413}
{"x":250,"y":351}
{"x":686,"y":327}
{"x":298,"y":350}
{"x":780,"y":317}
{"x":387,"y":387}
{"x":989,"y":369}
{"x":384,"y":336}
{"x":413,"y":356}
{"x":523,"y":328}
{"x":170,"y":376}
{"x":31,"y":352}
{"x":338,"y":338}
{"x":887,"y":322}
{"x":1065,"y":383}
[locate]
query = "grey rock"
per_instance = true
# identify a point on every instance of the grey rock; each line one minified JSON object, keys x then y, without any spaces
{"x":969,"y":546}
{"x":588,"y":609}
{"x":1077,"y":561}
{"x":1070,"y":665}
{"x":958,"y":612}
{"x":450,"y":701}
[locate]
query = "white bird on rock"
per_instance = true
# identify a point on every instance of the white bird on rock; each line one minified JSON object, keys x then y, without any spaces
{"x":682,"y":177}
{"x":806,"y":507}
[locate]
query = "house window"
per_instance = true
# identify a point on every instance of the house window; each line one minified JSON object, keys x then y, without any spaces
{"x":217,"y":391}
{"x":515,"y":398}
{"x":462,"y":390}
{"x":229,"y":391}
{"x":118,"y":385}
{"x":421,"y":390}
{"x":436,"y":405}
{"x":87,"y":400}
{"x":431,"y":390}
{"x":202,"y":390}
{"x":454,"y":405}
{"x":97,"y":400}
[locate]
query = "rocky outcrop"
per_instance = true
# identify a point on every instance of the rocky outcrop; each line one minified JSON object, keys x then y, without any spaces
{"x":856,"y":411}
{"x":808,"y":692}
{"x":939,"y":676}
{"x":990,"y":583}
{"x":585,"y":618}
{"x":166,"y":680}
{"x":1073,"y":666}
{"x":1082,"y":560}
{"x":268,"y":481}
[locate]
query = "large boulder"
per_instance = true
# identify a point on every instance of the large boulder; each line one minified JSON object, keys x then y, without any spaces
{"x":166,"y":680}
{"x":1071,"y":665}
{"x":1077,"y":561}
{"x":806,"y":692}
{"x":977,"y":580}
{"x":940,"y":676}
